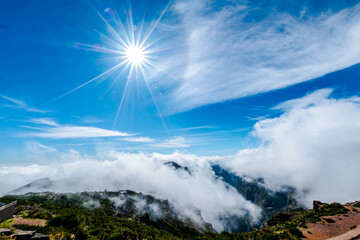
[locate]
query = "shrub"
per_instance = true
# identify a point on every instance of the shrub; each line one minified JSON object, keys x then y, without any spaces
{"x":116,"y":236}
{"x":68,"y":221}
{"x":329,"y":220}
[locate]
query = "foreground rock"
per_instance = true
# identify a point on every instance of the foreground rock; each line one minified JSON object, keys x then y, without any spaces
{"x":23,"y":235}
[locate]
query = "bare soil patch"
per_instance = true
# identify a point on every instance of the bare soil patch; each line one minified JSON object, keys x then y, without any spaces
{"x":347,"y":225}
{"x":30,"y":222}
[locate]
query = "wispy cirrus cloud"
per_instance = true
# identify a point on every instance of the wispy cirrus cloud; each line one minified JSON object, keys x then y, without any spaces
{"x":20,"y":104}
{"x":44,"y":121}
{"x":68,"y":132}
{"x":230,"y":55}
{"x":139,"y":139}
{"x":49,"y":128}
{"x":176,"y":142}
{"x":192,"y":128}
{"x":89,"y":119}
{"x":36,"y":147}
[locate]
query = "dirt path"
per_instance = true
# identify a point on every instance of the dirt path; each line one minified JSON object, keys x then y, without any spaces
{"x":352,"y":234}
{"x":339,"y":227}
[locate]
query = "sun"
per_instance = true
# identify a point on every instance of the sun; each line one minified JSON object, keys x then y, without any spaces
{"x":134,"y":48}
{"x":135,"y":55}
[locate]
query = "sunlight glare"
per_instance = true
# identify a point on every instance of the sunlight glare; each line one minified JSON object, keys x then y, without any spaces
{"x":134,"y":49}
{"x":135,"y":55}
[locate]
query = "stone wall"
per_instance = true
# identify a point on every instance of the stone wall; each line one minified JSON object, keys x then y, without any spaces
{"x":7,"y":211}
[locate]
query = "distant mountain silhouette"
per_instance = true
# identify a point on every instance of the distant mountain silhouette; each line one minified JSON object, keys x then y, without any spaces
{"x":39,"y":185}
{"x":176,"y":166}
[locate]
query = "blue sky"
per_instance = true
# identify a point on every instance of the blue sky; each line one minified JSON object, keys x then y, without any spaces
{"x":219,"y":68}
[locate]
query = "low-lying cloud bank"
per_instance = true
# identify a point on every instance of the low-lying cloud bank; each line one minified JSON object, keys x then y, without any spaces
{"x":313,"y":146}
{"x":141,"y":173}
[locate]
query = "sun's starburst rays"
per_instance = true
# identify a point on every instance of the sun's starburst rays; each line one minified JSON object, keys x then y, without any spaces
{"x":95,"y":48}
{"x":154,"y":26}
{"x":109,"y":71}
{"x":132,"y":49}
{"x":123,"y":95}
{"x":116,"y":79}
{"x":112,"y":30}
{"x":153,"y":98}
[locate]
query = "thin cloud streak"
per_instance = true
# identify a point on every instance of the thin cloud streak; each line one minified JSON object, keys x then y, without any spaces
{"x":53,"y":130}
{"x":176,"y":142}
{"x":20,"y":104}
{"x":43,"y":121}
{"x":66,"y":132}
{"x":139,"y":139}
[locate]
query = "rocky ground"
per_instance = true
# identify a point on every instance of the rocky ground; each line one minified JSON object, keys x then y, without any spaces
{"x":338,"y":227}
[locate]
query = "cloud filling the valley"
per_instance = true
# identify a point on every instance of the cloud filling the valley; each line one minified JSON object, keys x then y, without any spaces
{"x":313,"y":146}
{"x":145,"y":173}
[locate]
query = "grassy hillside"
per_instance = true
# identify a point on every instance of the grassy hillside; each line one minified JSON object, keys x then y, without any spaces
{"x":94,"y":216}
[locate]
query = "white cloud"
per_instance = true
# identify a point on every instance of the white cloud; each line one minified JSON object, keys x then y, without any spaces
{"x":89,"y":119}
{"x":229,"y":56}
{"x":36,"y":147}
{"x":66,"y":132}
{"x":139,"y":172}
{"x":139,"y":139}
{"x":44,"y":121}
{"x":20,"y":104}
{"x":318,"y":97}
{"x":176,"y":142}
{"x":313,"y":146}
{"x":53,"y":130}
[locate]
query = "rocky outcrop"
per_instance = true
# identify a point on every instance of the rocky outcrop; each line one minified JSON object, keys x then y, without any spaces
{"x":176,"y":166}
{"x":316,"y":206}
{"x":6,"y":232}
{"x":23,"y":235}
{"x":7,"y":211}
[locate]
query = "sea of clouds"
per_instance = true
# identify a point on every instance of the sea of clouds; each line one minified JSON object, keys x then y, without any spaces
{"x":313,"y":146}
{"x":144,"y":173}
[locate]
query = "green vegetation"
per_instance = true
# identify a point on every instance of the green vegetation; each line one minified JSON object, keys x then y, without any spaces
{"x":333,"y":209}
{"x":6,"y":224}
{"x":6,"y":238}
{"x":94,"y":216}
{"x":329,"y":220}
{"x":67,"y":215}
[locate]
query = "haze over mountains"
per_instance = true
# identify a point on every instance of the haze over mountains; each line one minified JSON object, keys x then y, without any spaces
{"x":265,"y":200}
{"x":296,"y":160}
